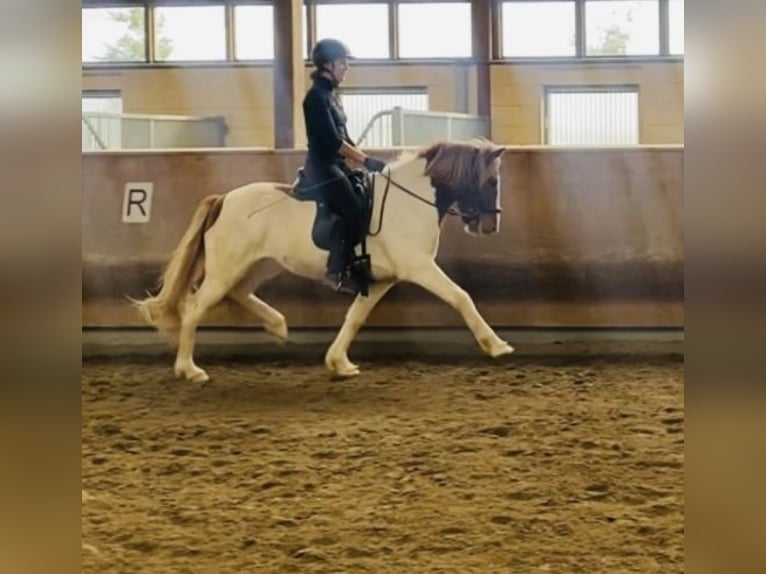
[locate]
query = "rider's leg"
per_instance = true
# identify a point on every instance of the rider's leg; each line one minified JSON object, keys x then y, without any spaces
{"x":336,"y":262}
{"x":344,"y":201}
{"x":324,"y":181}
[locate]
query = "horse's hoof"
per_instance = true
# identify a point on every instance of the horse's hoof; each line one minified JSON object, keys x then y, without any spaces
{"x":501,"y":350}
{"x":495,"y":347}
{"x":279,"y":331}
{"x":343,"y":369}
{"x":346,"y":373}
{"x":199,"y":376}
{"x":193,"y":374}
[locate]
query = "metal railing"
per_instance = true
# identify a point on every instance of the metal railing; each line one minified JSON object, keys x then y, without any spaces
{"x":111,"y":131}
{"x":397,"y":127}
{"x":401,"y":127}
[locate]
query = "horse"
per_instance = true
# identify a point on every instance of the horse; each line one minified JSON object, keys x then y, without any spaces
{"x":238,"y":240}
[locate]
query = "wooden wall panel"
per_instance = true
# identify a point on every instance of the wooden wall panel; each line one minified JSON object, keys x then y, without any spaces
{"x":588,"y":237}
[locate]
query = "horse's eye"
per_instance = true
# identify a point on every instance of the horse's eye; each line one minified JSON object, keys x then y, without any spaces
{"x":492,"y":181}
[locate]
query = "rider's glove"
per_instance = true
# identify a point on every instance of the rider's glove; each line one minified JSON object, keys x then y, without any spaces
{"x":373,"y":164}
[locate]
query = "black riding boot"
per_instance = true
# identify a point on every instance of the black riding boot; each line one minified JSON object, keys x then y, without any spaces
{"x":338,"y":272}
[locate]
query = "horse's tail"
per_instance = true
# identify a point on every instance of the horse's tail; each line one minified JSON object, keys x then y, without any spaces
{"x":183,"y":271}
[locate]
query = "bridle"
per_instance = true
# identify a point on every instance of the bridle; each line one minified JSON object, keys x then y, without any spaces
{"x":470,"y":204}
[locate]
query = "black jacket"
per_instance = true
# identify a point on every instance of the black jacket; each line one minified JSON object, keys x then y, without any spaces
{"x":325,"y":123}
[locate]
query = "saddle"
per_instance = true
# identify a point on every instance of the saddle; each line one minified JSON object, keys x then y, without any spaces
{"x":326,"y":229}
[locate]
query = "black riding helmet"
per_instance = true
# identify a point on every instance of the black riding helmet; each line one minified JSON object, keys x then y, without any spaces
{"x":328,"y":50}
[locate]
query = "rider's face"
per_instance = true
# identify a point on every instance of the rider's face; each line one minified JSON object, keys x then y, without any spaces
{"x":338,"y":69}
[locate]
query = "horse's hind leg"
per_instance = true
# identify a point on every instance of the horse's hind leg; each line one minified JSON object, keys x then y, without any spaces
{"x":209,"y":294}
{"x":273,"y":321}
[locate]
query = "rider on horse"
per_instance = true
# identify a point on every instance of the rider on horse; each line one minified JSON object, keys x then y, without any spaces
{"x":329,"y":146}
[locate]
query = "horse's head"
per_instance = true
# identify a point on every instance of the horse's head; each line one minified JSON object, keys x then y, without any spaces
{"x":468,"y":173}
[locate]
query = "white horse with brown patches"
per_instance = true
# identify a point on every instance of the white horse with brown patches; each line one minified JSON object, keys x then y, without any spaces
{"x":234,"y":240}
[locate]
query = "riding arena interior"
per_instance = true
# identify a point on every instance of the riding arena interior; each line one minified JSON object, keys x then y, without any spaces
{"x":505,"y":396}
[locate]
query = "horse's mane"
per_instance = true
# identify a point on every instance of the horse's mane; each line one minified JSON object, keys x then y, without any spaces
{"x":453,"y":163}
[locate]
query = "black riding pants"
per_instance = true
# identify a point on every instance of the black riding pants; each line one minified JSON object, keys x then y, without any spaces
{"x":336,"y":191}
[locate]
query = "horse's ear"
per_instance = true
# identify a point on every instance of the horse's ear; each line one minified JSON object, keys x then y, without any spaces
{"x":494,"y":154}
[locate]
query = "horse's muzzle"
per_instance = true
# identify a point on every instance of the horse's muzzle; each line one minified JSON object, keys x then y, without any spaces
{"x":489,"y":223}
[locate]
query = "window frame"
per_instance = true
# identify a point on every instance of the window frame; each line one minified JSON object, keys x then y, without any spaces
{"x":549,"y":89}
{"x":231,"y":31}
{"x":395,"y":15}
{"x":496,"y":56}
{"x":665,"y":29}
{"x":228,"y":30}
{"x":659,"y":53}
{"x":150,"y":60}
{"x":393,"y":31}
{"x":498,"y":33}
{"x":311,"y":26}
{"x":148,"y":27}
{"x":581,"y":55}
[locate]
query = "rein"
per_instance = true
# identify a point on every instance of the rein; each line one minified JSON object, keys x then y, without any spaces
{"x":390,"y":181}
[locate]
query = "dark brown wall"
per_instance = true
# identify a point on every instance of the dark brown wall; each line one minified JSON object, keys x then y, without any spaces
{"x":588,"y":237}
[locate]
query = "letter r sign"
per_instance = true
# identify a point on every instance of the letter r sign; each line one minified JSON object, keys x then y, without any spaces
{"x":137,"y":202}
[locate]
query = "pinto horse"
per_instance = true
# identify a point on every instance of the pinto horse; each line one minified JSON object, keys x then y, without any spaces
{"x":237,"y":241}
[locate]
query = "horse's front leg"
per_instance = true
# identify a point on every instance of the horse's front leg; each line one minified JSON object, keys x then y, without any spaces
{"x":433,"y":279}
{"x":336,"y":358}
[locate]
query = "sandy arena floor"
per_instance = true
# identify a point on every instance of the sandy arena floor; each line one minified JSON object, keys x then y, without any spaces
{"x":536,"y":465}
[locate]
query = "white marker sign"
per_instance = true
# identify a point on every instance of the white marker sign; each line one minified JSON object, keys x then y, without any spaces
{"x":137,"y":202}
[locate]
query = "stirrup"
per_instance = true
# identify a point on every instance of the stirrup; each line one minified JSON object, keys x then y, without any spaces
{"x":343,"y":283}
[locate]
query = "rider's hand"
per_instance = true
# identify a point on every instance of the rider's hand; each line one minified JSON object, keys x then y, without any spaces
{"x":373,"y":164}
{"x":354,"y":164}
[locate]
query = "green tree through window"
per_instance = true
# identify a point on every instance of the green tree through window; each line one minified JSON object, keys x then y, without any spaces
{"x":131,"y":45}
{"x":614,"y":42}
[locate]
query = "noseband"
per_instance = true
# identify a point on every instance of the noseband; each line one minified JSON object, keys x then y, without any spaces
{"x":471,"y":206}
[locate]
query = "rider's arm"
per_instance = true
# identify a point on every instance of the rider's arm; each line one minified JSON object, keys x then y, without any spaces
{"x":352,"y":153}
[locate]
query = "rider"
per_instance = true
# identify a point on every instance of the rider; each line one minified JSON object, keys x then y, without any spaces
{"x":329,"y":146}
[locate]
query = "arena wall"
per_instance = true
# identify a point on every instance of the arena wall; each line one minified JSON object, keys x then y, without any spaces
{"x":589,"y":237}
{"x":517,"y":97}
{"x":243,"y":95}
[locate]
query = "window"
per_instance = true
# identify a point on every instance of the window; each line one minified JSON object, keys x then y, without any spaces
{"x":99,"y":130}
{"x":435,"y":30}
{"x":363,"y":27}
{"x":254,"y":32}
{"x":362,"y":105}
{"x":622,"y":27}
{"x":190,"y":33}
{"x":676,"y":26}
{"x":113,"y":35}
{"x":106,"y":101}
{"x":532,"y":29}
{"x":600,"y":115}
